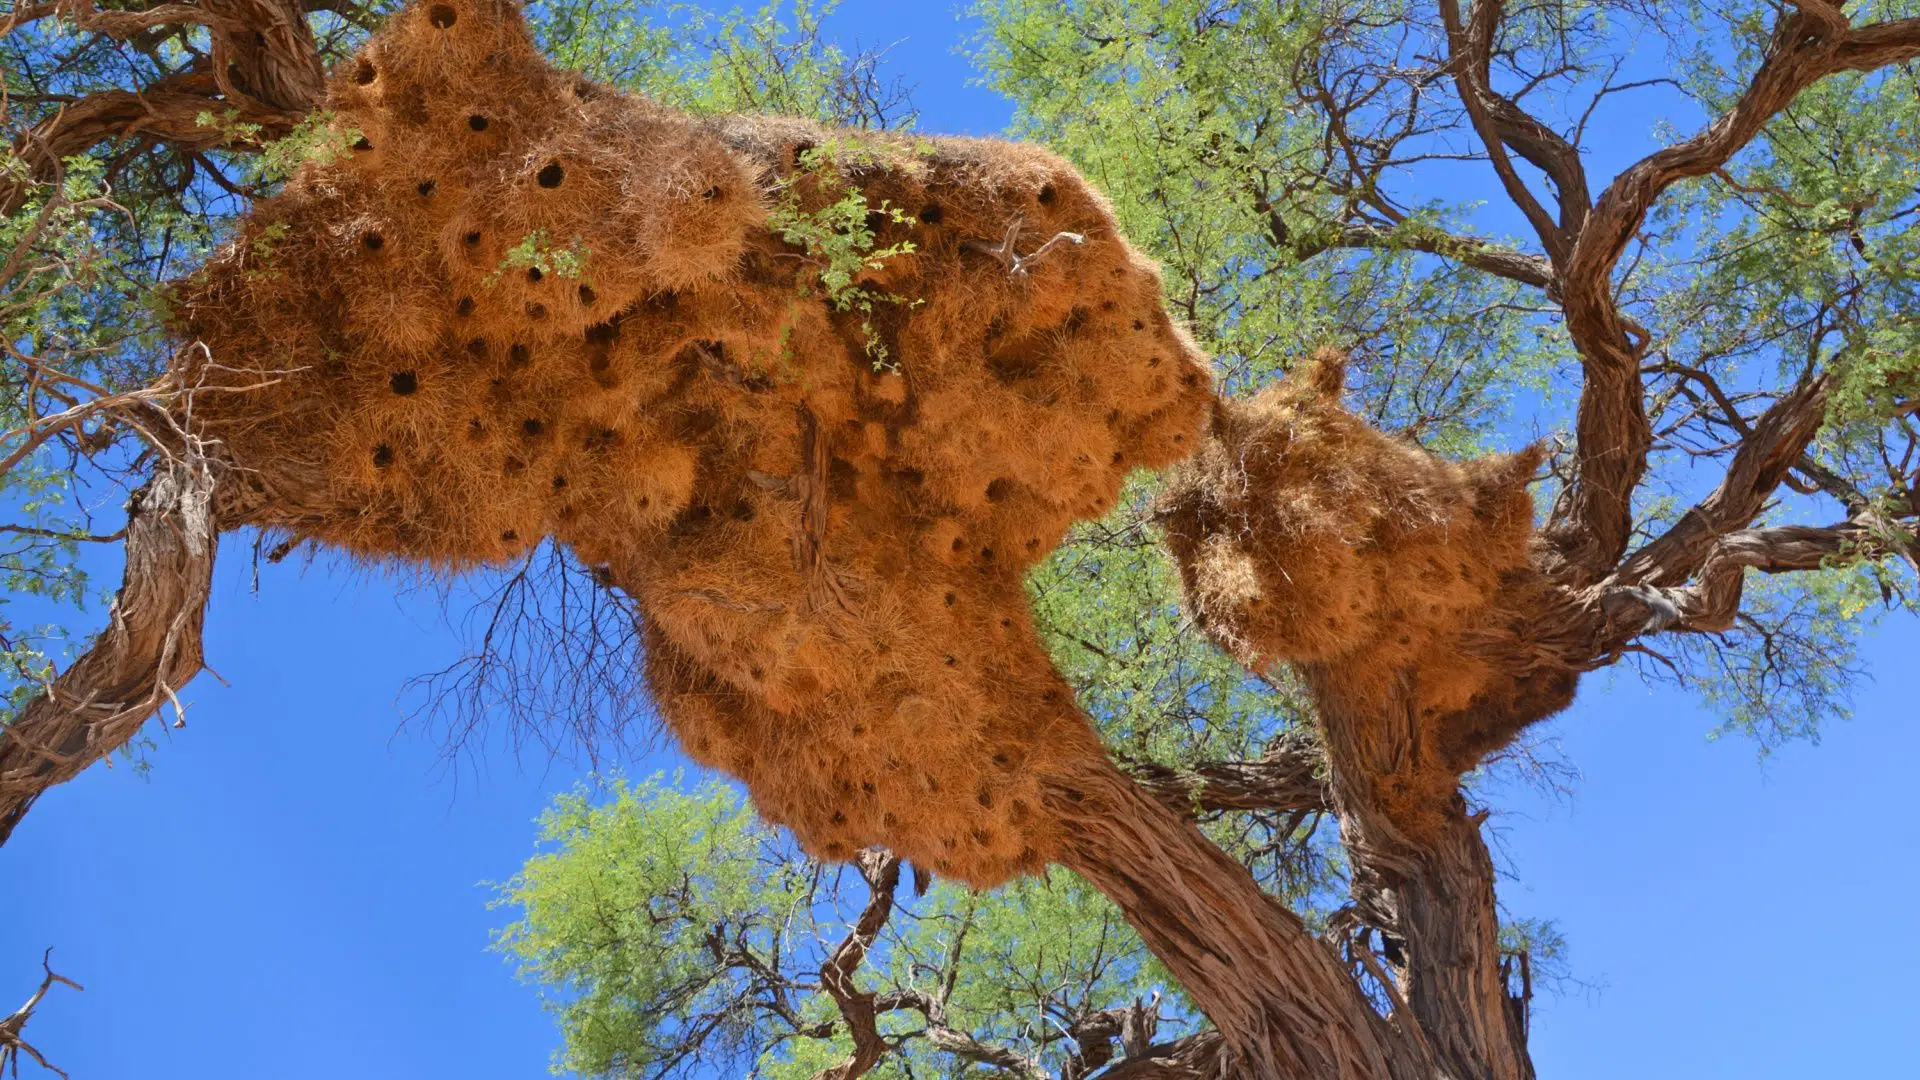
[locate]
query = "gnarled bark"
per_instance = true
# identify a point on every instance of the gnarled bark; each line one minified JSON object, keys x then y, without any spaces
{"x":1433,"y":892}
{"x":149,"y":650}
{"x":882,"y":873}
{"x":1285,"y":1006}
{"x":264,"y":69}
{"x":1287,"y":777}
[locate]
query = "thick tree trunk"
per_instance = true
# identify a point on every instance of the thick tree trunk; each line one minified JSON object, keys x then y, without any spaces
{"x":1422,"y":875}
{"x":1284,"y":1004}
{"x":1455,"y":985}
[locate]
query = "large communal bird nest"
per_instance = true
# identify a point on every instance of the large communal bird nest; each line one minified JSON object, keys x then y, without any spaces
{"x":1387,"y":574}
{"x":814,"y":398}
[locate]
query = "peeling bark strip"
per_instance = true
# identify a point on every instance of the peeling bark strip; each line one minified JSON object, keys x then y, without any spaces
{"x":149,"y":650}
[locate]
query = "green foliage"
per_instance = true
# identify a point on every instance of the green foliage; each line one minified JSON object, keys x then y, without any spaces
{"x":535,"y":251}
{"x":774,"y":59}
{"x":1296,"y":217}
{"x":1107,"y":604}
{"x":52,"y":353}
{"x":317,"y":139}
{"x":83,"y":249}
{"x":1031,"y":957}
{"x":1228,"y":190}
{"x":670,"y":932}
{"x":1784,"y":670}
{"x":1535,"y":956}
{"x":1800,"y":255}
{"x":839,"y":237}
{"x":622,"y":915}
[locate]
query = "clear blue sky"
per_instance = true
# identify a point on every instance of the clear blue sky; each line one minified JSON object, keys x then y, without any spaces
{"x":294,"y":892}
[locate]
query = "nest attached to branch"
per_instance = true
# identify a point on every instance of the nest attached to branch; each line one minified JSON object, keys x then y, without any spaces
{"x":521,"y":305}
{"x":1383,"y":572}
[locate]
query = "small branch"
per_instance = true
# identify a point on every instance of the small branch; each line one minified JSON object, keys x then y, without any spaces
{"x":1482,"y":255}
{"x":12,"y":1042}
{"x":56,"y":534}
{"x":1017,"y":264}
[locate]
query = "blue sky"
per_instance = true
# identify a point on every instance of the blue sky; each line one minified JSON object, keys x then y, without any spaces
{"x":295,"y":890}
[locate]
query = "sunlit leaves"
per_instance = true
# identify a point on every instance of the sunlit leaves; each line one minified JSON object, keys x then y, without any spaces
{"x":627,"y":915}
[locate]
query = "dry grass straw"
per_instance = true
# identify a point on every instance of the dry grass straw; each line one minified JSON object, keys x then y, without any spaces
{"x":1304,"y":536}
{"x":528,"y":306}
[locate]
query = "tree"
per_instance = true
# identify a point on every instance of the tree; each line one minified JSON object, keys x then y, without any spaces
{"x":1737,"y":301}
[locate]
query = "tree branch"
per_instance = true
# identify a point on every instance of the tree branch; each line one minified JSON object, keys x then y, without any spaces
{"x":1200,"y":1056}
{"x":1285,"y":1007}
{"x":1480,"y":254}
{"x":1712,"y":600}
{"x":1831,"y":19}
{"x":1287,"y":778}
{"x":1592,"y":520}
{"x":12,"y":1042}
{"x":882,"y":871}
{"x":149,"y":650}
{"x":1773,"y":446}
{"x":265,"y":68}
{"x":1497,"y":121}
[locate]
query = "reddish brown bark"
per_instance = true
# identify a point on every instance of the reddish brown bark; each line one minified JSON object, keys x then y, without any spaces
{"x":1283,"y":1003}
{"x":146,"y":655}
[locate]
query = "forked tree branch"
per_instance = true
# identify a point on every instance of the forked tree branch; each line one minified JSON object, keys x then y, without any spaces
{"x":264,"y":69}
{"x":948,"y":1039}
{"x":1711,"y":600}
{"x":1284,"y":1005}
{"x":1500,"y":124}
{"x":881,"y":869}
{"x":1772,"y":447}
{"x":12,"y":1042}
{"x":1592,"y":520}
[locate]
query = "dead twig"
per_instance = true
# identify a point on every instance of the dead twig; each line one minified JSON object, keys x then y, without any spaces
{"x":12,"y":1043}
{"x":1006,"y":254}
